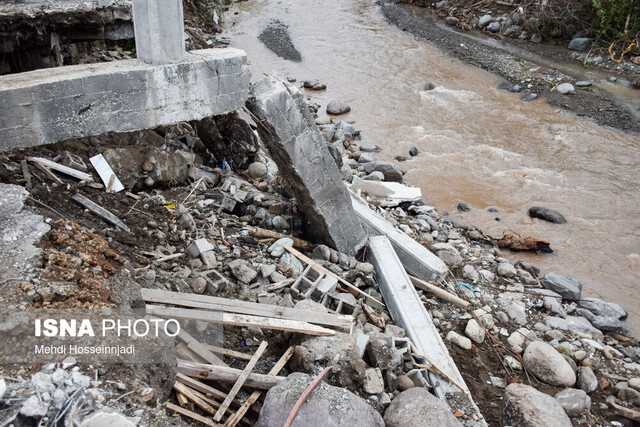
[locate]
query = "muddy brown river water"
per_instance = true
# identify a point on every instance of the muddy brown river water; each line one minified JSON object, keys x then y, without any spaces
{"x":478,"y":144}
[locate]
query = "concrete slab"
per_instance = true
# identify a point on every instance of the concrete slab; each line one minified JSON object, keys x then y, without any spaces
{"x":417,"y":259}
{"x":300,"y":151}
{"x":43,"y":106}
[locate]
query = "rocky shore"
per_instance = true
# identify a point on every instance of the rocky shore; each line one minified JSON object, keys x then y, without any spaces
{"x":531,"y":349}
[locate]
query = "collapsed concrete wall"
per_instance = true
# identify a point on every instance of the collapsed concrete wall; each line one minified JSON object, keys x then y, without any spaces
{"x":41,"y":107}
{"x":299,"y":150}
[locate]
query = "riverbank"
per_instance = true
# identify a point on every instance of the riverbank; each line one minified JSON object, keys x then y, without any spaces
{"x":533,"y":76}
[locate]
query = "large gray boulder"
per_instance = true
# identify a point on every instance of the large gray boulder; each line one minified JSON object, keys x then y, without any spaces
{"x":546,"y":363}
{"x":390,"y":171}
{"x":417,"y":407}
{"x":575,"y":324}
{"x":574,"y":401}
{"x":580,"y":44}
{"x":565,"y":286}
{"x":526,"y":406}
{"x":340,"y":351}
{"x":327,"y":406}
{"x":602,"y":308}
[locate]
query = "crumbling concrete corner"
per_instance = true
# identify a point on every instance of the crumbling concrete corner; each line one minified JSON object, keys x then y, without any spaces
{"x":298,"y":148}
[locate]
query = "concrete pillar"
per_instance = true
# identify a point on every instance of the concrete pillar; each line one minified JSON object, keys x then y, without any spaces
{"x":159,"y":30}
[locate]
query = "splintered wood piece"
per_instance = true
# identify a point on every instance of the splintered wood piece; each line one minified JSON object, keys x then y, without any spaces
{"x":520,"y":243}
{"x":182,"y":400}
{"x":26,"y":174}
{"x":303,"y":398}
{"x":48,"y":173}
{"x":243,"y":377}
{"x":439,"y":293}
{"x":229,"y":353}
{"x":191,"y":415}
{"x":82,"y":176}
{"x":321,"y":269}
{"x":233,"y":319}
{"x":100,"y":211}
{"x":298,"y":243}
{"x":235,"y":419}
{"x":200,"y":401}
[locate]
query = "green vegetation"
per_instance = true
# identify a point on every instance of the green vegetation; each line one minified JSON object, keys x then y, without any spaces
{"x":613,"y":20}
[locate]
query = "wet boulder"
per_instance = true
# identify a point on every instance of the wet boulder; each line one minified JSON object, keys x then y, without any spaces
{"x":337,"y":107}
{"x":327,"y":406}
{"x":526,"y":406}
{"x":391,"y":172}
{"x":418,"y":408}
{"x":565,"y":286}
{"x":580,"y":44}
{"x":547,"y":215}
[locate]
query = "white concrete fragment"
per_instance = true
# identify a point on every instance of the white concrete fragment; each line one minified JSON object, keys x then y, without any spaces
{"x":388,"y":194}
{"x":104,"y":170}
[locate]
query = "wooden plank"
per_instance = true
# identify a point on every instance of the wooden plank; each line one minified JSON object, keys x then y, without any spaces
{"x":48,"y":173}
{"x":298,"y":243}
{"x":343,"y":322}
{"x":168,"y":258}
{"x":198,"y":348}
{"x":238,"y":385}
{"x":226,"y":374}
{"x":229,"y":353}
{"x":108,"y":177}
{"x":199,"y":400}
{"x":26,"y":174}
{"x":235,"y":418}
{"x":439,"y":293}
{"x":100,"y":211}
{"x":192,"y":415}
{"x":321,"y":269}
{"x":201,"y":387}
{"x":233,"y":319}
{"x":82,"y":176}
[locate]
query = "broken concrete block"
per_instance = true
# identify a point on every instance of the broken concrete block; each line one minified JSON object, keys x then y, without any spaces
{"x":209,"y":259}
{"x":373,"y":382}
{"x":198,"y":247}
{"x":242,"y":271}
{"x":299,"y":149}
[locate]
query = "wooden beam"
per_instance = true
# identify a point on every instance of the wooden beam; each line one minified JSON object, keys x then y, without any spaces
{"x":338,"y":321}
{"x":201,"y":387}
{"x":199,"y":348}
{"x":191,"y":414}
{"x":82,"y":176}
{"x":238,"y":385}
{"x":298,"y":243}
{"x":182,"y":400}
{"x":48,"y":173}
{"x":228,"y":353}
{"x":233,"y":319}
{"x":26,"y":174}
{"x":440,"y":293}
{"x":321,"y":269}
{"x":235,"y":419}
{"x":225,"y":374}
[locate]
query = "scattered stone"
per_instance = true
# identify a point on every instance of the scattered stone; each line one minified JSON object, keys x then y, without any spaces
{"x":565,"y":88}
{"x":573,"y":401}
{"x":602,"y":308}
{"x":484,"y":21}
{"x":391,"y":172}
{"x":277,"y":249}
{"x":323,"y":120}
{"x":199,"y":285}
{"x":507,"y":270}
{"x":337,"y":107}
{"x":417,"y":407}
{"x":629,"y":395}
{"x":587,"y":380}
{"x":583,"y":83}
{"x":565,"y":286}
{"x":463,"y":207}
{"x":314,"y":85}
{"x":545,"y":213}
{"x":413,"y":151}
{"x":494,"y":27}
{"x":451,"y":21}
{"x":633,"y":383}
{"x":373,"y":382}
{"x":459,"y":340}
{"x":474,"y":331}
{"x":257,"y":170}
{"x":580,"y":44}
{"x":241,"y":270}
{"x":327,"y":405}
{"x":34,"y":407}
{"x":106,"y":419}
{"x":574,"y":324}
{"x":405,"y":383}
{"x":526,"y":406}
{"x":529,"y":96}
{"x":428,"y":86}
{"x":548,"y":365}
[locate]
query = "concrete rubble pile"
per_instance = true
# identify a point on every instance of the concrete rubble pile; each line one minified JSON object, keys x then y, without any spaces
{"x":422,"y":322}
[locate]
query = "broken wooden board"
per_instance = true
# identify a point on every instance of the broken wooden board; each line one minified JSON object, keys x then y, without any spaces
{"x":82,"y":176}
{"x":440,"y":293}
{"x":48,"y":173}
{"x":106,"y":173}
{"x":240,"y":382}
{"x":226,"y":374}
{"x":417,"y":259}
{"x":201,"y":401}
{"x":198,"y":348}
{"x":298,"y":243}
{"x":100,"y":211}
{"x":233,"y":319}
{"x":337,"y":321}
{"x":192,"y":415}
{"x":235,"y":419}
{"x":407,"y":310}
